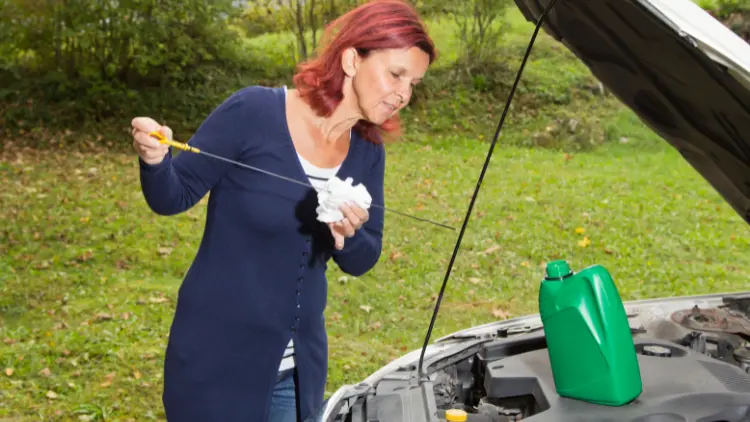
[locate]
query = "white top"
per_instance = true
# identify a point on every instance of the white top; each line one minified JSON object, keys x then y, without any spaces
{"x":318,"y":177}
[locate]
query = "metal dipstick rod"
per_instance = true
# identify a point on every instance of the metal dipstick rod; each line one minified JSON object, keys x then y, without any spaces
{"x":185,"y":147}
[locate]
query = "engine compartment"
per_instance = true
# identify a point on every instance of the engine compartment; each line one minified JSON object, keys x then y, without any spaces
{"x":695,"y":366}
{"x":679,"y":384}
{"x":694,"y":362}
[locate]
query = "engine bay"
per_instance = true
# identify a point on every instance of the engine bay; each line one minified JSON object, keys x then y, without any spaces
{"x":694,"y":363}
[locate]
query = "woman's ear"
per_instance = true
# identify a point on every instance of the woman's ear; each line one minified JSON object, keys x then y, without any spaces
{"x":350,"y":61}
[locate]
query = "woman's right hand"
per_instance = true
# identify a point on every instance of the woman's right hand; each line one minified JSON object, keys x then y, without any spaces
{"x":150,"y":150}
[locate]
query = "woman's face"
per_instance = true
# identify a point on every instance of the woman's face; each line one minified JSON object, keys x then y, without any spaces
{"x":383,"y":81}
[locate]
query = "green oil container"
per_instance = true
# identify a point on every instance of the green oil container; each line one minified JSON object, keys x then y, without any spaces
{"x":589,"y":341}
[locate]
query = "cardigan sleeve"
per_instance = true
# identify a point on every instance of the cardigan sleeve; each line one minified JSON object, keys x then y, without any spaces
{"x":177,"y":183}
{"x":362,"y":251}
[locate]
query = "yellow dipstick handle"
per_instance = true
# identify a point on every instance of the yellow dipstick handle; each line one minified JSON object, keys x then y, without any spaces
{"x":180,"y":145}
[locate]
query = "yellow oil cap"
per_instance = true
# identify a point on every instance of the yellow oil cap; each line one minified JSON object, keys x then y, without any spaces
{"x":455,"y":415}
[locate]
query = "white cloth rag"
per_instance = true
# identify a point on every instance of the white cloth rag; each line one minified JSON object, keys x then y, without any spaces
{"x":337,"y":192}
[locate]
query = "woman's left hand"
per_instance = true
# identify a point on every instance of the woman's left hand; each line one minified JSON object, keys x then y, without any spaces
{"x":354,"y":218}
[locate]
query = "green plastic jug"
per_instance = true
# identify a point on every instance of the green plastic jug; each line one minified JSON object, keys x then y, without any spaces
{"x":589,"y":341}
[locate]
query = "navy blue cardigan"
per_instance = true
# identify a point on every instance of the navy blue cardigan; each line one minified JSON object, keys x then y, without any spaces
{"x":258,"y":278}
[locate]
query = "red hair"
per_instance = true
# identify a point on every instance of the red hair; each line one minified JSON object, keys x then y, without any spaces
{"x":378,"y":24}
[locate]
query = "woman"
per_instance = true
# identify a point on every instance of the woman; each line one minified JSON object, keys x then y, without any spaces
{"x":256,"y":290}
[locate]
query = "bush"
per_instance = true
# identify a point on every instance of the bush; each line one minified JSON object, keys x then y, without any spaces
{"x":174,"y":60}
{"x":735,"y":14}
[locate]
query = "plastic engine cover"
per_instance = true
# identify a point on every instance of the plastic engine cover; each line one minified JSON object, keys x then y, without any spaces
{"x":682,"y":387}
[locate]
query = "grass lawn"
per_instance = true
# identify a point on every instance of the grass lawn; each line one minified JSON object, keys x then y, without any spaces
{"x":88,"y":275}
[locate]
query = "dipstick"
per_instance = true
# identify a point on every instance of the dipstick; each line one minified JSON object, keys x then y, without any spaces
{"x":185,"y":147}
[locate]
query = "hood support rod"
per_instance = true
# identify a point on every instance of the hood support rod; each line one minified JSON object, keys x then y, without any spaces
{"x":476,"y":189}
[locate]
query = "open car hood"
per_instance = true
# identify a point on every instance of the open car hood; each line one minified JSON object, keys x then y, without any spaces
{"x":680,"y":70}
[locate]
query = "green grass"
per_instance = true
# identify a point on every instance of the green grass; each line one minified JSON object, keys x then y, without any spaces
{"x":88,"y":275}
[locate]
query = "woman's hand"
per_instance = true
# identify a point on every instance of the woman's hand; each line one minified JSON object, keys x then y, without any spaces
{"x":354,"y":218}
{"x":149,"y":149}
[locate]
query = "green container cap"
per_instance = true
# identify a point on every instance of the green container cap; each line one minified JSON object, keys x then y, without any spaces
{"x":558,"y":269}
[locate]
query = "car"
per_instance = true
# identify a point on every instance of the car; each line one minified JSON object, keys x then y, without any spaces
{"x":687,"y":77}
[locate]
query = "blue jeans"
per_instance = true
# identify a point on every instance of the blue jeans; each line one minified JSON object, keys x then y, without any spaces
{"x":284,"y":401}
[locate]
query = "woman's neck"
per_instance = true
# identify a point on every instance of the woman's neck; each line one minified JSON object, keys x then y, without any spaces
{"x":335,"y":127}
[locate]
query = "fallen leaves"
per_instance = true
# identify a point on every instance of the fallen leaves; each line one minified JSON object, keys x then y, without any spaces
{"x":585,"y":242}
{"x":159,"y":299}
{"x":395,"y":255}
{"x":85,"y":256}
{"x":492,"y":249}
{"x":153,"y":300}
{"x":164,"y":250}
{"x":108,"y":380}
{"x":500,"y":313}
{"x":102,"y":316}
